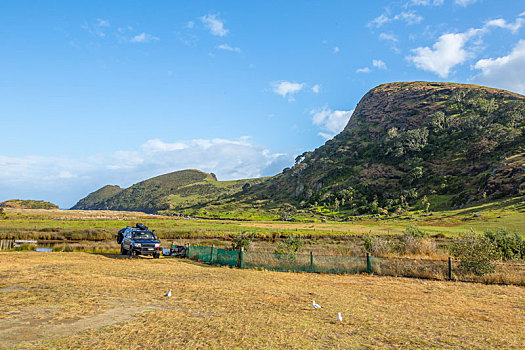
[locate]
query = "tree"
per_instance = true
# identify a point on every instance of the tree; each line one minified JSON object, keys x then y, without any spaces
{"x":438,"y":121}
{"x":510,"y":245}
{"x":287,"y":211}
{"x":416,"y":139}
{"x":477,"y":254}
{"x":478,"y":149}
{"x":426,"y":203}
{"x":242,"y":240}
{"x":289,"y":247}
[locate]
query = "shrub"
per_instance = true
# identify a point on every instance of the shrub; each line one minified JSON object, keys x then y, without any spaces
{"x":242,"y":240}
{"x":510,"y":245}
{"x":477,"y":254}
{"x":289,"y":247}
{"x":286,"y":211}
{"x":377,"y":246}
{"x":414,"y":242}
{"x":414,"y":231}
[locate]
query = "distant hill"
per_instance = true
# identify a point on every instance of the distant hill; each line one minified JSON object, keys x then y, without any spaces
{"x":97,"y":197}
{"x":27,"y":204}
{"x":173,"y":191}
{"x":409,"y":144}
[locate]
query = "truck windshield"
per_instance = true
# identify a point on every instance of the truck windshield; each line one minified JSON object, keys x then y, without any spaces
{"x":143,"y":236}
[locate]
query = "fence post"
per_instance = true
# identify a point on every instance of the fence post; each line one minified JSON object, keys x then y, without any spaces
{"x":449,"y":268}
{"x":188,"y":251}
{"x":211,"y":254}
{"x":312,"y":261}
{"x":368,"y":264}
{"x":241,"y":258}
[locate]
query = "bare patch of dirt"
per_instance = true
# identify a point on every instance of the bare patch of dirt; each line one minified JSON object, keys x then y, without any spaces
{"x":16,"y":331}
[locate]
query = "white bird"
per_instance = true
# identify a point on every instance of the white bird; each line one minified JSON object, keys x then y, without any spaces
{"x":316,"y":306}
{"x":168,"y":294}
{"x":339,"y":317}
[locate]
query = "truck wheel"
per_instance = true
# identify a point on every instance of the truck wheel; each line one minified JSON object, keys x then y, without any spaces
{"x":123,"y":251}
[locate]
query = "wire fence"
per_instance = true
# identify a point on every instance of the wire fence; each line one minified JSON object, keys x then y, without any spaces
{"x":501,"y":273}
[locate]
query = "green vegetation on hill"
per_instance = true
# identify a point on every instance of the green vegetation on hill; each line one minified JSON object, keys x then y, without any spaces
{"x":411,"y":145}
{"x":27,"y":204}
{"x":169,"y":193}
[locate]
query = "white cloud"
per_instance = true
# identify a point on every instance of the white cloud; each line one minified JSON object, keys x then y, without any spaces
{"x":330,"y":121}
{"x":379,"y":64}
{"x":336,"y":49}
{"x":190,"y":25}
{"x":409,"y":17}
{"x":505,"y":72}
{"x":143,"y":38}
{"x":316,"y":88}
{"x":379,"y":21}
{"x":501,"y":23}
{"x":388,"y":37}
{"x":215,"y":25}
{"x":287,"y":88}
{"x":157,"y":145}
{"x":464,"y":3}
{"x":449,"y":50}
{"x":227,"y":47}
{"x":102,"y":22}
{"x":428,"y":2}
{"x":363,"y":70}
{"x":98,"y":27}
{"x":445,"y":54}
{"x":65,"y":174}
{"x":64,"y":180}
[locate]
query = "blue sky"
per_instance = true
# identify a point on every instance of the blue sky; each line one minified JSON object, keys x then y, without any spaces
{"x":113,"y":92}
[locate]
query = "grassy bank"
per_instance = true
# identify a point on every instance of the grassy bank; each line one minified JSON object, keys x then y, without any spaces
{"x":103,"y":225}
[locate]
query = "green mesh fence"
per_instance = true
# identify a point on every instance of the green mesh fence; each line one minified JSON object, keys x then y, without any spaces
{"x":305,"y":262}
{"x":386,"y":266}
{"x":422,"y":268}
{"x":200,"y":253}
{"x":277,"y":262}
{"x":226,"y":257}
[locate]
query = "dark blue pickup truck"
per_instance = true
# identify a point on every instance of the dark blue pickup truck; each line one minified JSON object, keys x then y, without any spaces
{"x":138,"y":240}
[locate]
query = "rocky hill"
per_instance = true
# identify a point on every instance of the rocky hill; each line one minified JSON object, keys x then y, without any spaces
{"x":27,"y":204}
{"x":412,"y":144}
{"x":173,"y":191}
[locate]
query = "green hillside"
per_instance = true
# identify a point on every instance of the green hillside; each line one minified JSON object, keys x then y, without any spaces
{"x":412,"y":144}
{"x":170,"y":192}
{"x":27,"y":204}
{"x":94,"y":198}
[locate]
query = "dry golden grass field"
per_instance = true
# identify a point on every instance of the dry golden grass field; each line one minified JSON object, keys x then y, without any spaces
{"x":80,"y":300}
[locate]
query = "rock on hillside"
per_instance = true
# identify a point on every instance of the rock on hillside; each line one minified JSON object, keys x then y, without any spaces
{"x":411,"y":143}
{"x":27,"y":204}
